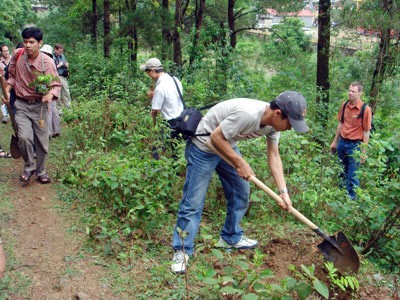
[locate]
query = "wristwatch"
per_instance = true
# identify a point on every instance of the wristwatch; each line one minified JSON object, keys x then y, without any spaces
{"x":283,"y":191}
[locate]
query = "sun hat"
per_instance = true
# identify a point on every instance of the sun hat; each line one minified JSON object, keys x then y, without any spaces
{"x":152,"y":63}
{"x":47,"y":49}
{"x":294,"y":106}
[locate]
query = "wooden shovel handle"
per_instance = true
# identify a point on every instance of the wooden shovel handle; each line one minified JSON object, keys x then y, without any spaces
{"x":3,"y":87}
{"x":267,"y":190}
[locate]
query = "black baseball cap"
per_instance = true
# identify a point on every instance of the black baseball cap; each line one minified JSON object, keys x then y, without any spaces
{"x":294,"y":106}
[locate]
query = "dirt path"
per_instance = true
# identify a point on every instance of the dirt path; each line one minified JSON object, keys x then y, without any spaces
{"x":44,"y":248}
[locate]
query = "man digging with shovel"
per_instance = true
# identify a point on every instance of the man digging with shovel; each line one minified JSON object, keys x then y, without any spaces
{"x":227,"y":123}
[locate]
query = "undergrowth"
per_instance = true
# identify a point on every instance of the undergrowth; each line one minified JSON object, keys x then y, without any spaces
{"x":131,"y":200}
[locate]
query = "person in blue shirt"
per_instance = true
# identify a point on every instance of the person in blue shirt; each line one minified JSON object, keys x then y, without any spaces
{"x":63,"y":72}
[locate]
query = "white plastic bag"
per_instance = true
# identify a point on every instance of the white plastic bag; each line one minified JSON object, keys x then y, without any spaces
{"x":4,"y":110}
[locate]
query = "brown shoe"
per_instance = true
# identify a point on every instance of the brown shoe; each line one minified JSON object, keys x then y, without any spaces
{"x":44,"y":179}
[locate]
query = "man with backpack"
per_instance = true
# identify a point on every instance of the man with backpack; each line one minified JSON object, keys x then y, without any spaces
{"x":63,"y":73}
{"x":166,"y":98}
{"x":355,"y":119}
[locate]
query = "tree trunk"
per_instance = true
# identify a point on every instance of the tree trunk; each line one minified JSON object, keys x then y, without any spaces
{"x":120,"y":24}
{"x":107,"y":29}
{"x":324,"y":34}
{"x":176,"y":34}
{"x":222,"y":64}
{"x":93,"y":32}
{"x":166,"y":31}
{"x":200,"y":7}
{"x":383,"y":59}
{"x":231,"y":23}
{"x":133,"y":45}
{"x":132,"y":32}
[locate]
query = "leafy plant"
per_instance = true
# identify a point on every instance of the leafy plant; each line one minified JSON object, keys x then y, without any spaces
{"x":42,"y":82}
{"x":343,"y":282}
{"x":236,"y":278}
{"x":318,"y":285}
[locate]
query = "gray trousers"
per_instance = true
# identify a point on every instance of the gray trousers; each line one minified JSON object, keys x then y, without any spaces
{"x":31,"y":138}
{"x":53,"y":119}
{"x":64,"y":100}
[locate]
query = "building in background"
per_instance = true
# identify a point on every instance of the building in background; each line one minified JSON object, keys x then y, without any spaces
{"x":271,"y":17}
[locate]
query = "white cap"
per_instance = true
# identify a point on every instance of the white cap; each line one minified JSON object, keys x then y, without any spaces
{"x":47,"y":49}
{"x":152,"y":63}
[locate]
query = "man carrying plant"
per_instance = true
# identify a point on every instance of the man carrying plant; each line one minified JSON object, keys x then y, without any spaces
{"x":34,"y":77}
{"x":229,"y":122}
{"x":352,"y":130}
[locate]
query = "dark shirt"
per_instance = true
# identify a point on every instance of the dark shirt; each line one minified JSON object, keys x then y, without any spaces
{"x":58,"y":59}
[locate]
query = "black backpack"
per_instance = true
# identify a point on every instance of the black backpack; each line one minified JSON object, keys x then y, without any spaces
{"x":361,"y":115}
{"x":186,"y":124}
{"x":6,"y":70}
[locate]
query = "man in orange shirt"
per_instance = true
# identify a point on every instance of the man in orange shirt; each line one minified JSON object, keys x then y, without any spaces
{"x":26,"y":67}
{"x":352,"y":130}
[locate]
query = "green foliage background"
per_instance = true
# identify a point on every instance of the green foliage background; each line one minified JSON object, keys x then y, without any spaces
{"x":110,"y":139}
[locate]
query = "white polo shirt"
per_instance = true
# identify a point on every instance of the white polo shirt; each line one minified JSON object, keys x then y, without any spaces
{"x":166,"y":97}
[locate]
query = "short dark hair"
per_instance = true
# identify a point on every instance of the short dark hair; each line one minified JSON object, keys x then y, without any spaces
{"x":358,"y":85}
{"x":275,"y":106}
{"x":58,"y":46}
{"x":32,"y":32}
{"x":1,"y":47}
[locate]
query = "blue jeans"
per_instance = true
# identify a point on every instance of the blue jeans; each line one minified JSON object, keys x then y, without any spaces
{"x":199,"y":169}
{"x":350,"y":165}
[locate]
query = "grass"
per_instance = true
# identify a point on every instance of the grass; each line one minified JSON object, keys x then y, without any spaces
{"x":15,"y":282}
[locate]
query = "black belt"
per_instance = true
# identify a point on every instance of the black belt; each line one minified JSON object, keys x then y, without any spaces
{"x":350,"y":141}
{"x":30,"y":101}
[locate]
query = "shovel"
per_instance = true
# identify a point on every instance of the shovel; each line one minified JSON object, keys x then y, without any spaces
{"x":14,"y":149}
{"x":336,"y":249}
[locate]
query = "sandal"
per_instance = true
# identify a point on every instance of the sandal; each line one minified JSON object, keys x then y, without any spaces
{"x":44,"y":179}
{"x":4,"y":154}
{"x":26,"y":176}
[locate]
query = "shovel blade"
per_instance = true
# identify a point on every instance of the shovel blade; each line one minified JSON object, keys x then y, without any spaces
{"x":14,"y":149}
{"x":346,"y":262}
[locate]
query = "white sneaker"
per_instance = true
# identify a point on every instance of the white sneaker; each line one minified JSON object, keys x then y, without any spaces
{"x":179,"y":262}
{"x":5,"y":119}
{"x":244,"y":243}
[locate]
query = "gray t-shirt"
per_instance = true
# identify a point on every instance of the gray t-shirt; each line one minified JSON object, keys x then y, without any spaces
{"x":239,"y":119}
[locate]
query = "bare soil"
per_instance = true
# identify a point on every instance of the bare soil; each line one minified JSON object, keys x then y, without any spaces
{"x":44,"y":251}
{"x":50,"y":253}
{"x":283,"y":252}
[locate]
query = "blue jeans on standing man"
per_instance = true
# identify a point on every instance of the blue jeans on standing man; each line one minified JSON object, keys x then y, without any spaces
{"x":346,"y":150}
{"x":199,"y":170}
